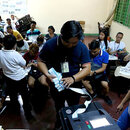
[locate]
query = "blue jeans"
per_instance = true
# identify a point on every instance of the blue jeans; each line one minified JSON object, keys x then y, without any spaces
{"x":124,"y":120}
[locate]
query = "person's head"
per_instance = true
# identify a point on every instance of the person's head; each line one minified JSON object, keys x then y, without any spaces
{"x":103,"y":36}
{"x":9,"y":29}
{"x":94,"y":47}
{"x":8,"y":21}
{"x":40,"y":40}
{"x":119,"y":37}
{"x":20,"y":43}
{"x":33,"y":25}
{"x":9,"y":42}
{"x":51,"y":29}
{"x":33,"y":49}
{"x":12,"y":17}
{"x":71,"y":33}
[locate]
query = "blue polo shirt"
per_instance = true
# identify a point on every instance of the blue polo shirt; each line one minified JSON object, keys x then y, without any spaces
{"x":103,"y":57}
{"x":54,"y":53}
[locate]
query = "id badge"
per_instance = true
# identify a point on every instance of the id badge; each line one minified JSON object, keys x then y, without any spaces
{"x":65,"y":67}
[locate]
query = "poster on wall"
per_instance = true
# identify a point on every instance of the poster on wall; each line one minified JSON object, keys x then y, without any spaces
{"x":16,"y":7}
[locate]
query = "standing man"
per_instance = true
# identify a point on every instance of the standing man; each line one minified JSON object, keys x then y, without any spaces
{"x":66,"y":50}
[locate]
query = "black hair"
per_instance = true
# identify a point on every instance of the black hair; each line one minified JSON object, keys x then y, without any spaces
{"x":9,"y":41}
{"x":52,"y":28}
{"x":20,"y":43}
{"x":105,"y":38}
{"x":120,"y":33}
{"x":71,"y":29}
{"x":33,"y":22}
{"x":9,"y":27}
{"x":94,"y":45}
{"x":8,"y":19}
{"x":40,"y":38}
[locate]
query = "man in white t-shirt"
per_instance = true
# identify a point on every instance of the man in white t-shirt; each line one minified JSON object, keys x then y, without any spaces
{"x":117,"y":47}
{"x":13,"y":66}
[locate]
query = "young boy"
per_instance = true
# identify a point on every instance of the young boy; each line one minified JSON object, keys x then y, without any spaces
{"x":13,"y":65}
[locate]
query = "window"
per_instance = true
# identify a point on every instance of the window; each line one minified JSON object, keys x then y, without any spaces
{"x":122,"y":14}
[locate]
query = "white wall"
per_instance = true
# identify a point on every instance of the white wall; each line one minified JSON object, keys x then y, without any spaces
{"x":117,"y":27}
{"x":57,"y":12}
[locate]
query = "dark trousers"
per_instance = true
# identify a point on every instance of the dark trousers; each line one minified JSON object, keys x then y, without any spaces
{"x":13,"y":88}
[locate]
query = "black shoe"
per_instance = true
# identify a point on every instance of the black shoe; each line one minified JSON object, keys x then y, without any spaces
{"x":107,"y":100}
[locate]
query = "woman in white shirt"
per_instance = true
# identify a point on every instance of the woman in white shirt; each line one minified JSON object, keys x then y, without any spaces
{"x":103,"y":40}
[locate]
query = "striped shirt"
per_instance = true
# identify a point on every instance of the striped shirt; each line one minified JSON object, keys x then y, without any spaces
{"x":32,"y":35}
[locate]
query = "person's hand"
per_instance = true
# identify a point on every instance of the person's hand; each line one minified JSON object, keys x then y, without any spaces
{"x":120,"y":107}
{"x":50,"y":77}
{"x":67,"y":81}
{"x":91,"y":73}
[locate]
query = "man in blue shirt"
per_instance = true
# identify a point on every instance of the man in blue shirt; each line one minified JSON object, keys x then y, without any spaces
{"x":99,"y":61}
{"x":66,"y":50}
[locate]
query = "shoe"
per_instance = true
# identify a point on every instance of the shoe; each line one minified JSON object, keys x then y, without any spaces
{"x":107,"y":100}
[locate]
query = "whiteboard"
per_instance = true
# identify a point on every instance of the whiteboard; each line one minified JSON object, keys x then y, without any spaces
{"x":16,"y":7}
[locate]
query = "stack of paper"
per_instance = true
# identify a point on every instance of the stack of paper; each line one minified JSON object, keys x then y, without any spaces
{"x":57,"y":81}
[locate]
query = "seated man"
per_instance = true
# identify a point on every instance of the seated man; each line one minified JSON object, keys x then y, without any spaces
{"x":22,"y":46}
{"x":17,"y":35}
{"x":32,"y":33}
{"x":99,"y":61}
{"x":40,"y":42}
{"x":117,"y":47}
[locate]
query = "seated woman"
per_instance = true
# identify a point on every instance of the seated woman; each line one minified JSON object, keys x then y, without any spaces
{"x":51,"y":33}
{"x":103,"y":40}
{"x":31,"y":60}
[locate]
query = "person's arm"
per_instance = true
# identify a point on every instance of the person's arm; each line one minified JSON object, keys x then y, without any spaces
{"x":102,"y":69}
{"x":111,"y":52}
{"x":79,"y":76}
{"x":123,"y":51}
{"x":43,"y":68}
{"x":127,"y":58}
{"x":125,"y":99}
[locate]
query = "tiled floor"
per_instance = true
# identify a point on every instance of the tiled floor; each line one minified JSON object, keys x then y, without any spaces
{"x":14,"y":120}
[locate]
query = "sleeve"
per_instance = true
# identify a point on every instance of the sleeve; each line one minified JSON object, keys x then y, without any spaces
{"x":5,"y":28}
{"x":109,"y":44}
{"x":26,"y":45}
{"x":122,"y":45}
{"x":85,"y":57}
{"x":44,"y":53}
{"x":105,"y":58}
{"x":21,"y":61}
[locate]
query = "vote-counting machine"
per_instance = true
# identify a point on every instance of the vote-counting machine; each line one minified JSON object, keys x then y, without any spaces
{"x":94,"y":118}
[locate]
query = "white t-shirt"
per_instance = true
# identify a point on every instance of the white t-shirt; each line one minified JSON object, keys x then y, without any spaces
{"x":12,"y":25}
{"x":12,"y":64}
{"x":24,"y":47}
{"x":1,"y":35}
{"x":103,"y":46}
{"x":116,"y":46}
